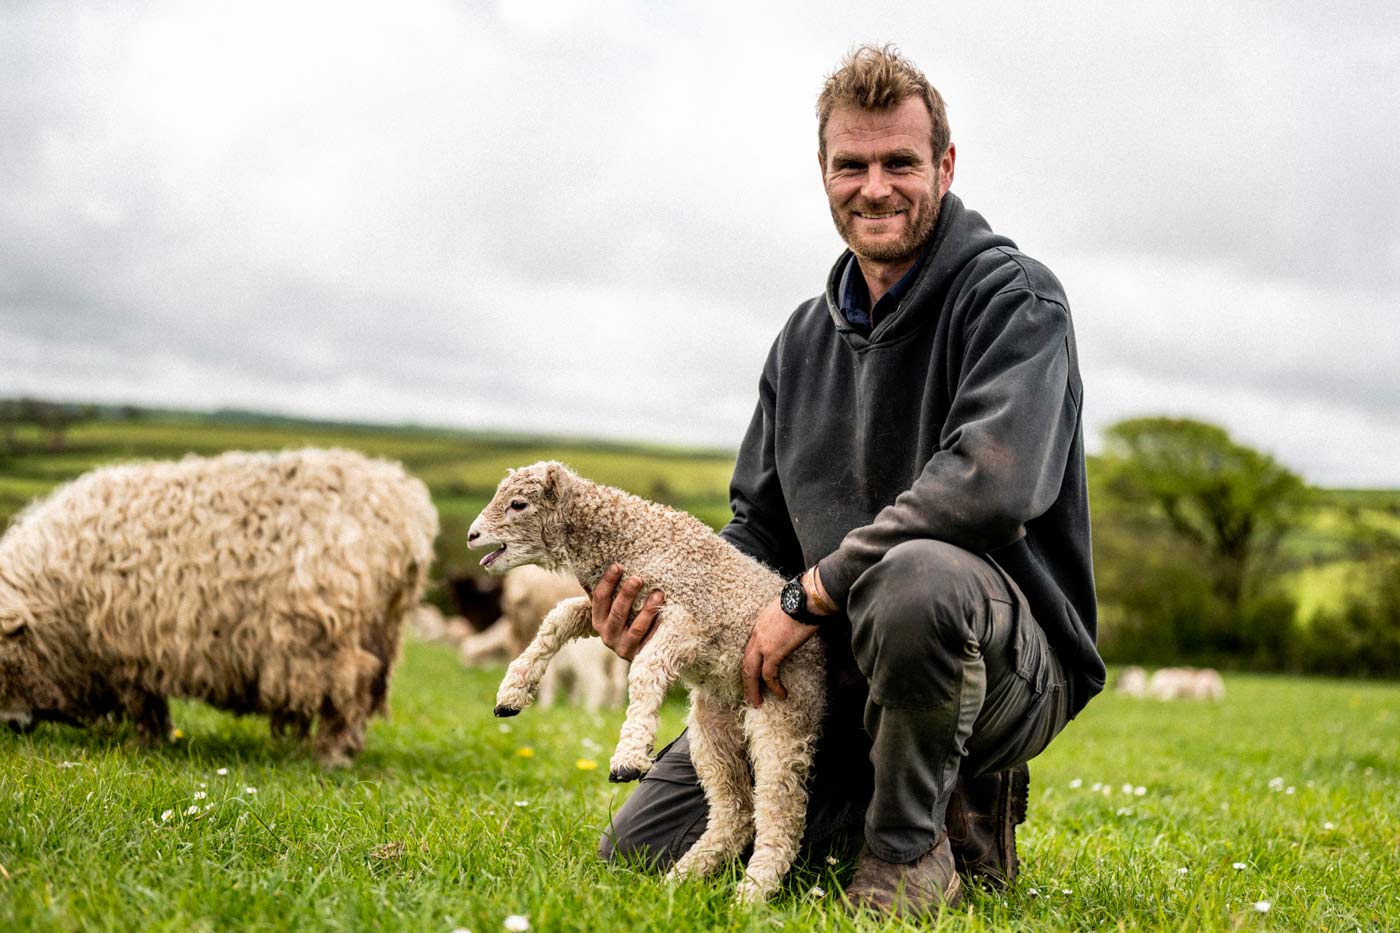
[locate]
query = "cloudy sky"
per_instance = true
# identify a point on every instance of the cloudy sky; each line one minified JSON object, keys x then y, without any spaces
{"x":592,"y":217}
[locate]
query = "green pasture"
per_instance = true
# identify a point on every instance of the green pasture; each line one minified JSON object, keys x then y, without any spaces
{"x":1143,"y":815}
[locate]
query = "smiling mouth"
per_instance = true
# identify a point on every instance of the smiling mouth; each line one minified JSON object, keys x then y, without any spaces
{"x":491,"y":558}
{"x":877,"y":215}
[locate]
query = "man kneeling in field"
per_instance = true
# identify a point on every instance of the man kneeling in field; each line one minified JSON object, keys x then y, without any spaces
{"x":915,"y":463}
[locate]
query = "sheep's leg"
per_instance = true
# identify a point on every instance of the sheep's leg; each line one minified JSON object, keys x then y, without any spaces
{"x":717,"y":750}
{"x":151,"y":715}
{"x":781,"y":740}
{"x":671,"y":648}
{"x":346,"y":707}
{"x":288,"y":724}
{"x":572,"y":618}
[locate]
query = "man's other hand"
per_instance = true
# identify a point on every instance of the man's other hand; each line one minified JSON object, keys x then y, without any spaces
{"x":612,"y":613}
{"x":775,"y":636}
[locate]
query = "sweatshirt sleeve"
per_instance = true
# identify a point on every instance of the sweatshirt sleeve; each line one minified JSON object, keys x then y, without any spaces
{"x":761,"y":527}
{"x":1003,"y":447}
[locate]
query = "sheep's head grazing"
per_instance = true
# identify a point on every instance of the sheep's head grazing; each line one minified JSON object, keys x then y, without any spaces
{"x":27,"y":695}
{"x":524,"y":521}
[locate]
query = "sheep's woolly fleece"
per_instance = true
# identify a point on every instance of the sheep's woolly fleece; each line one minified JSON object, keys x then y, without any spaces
{"x":273,"y":583}
{"x":547,"y":515}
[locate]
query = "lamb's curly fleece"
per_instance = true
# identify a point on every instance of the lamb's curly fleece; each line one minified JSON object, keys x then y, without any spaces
{"x":272,"y":583}
{"x":547,"y":515}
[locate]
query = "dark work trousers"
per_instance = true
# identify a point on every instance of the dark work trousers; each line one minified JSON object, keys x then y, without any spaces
{"x":942,"y":672}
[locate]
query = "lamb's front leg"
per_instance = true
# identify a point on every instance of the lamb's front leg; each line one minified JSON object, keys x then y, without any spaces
{"x":572,"y":618}
{"x":671,"y":647}
{"x":717,"y":750}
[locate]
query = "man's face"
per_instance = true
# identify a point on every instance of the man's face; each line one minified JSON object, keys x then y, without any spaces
{"x":882,"y":181}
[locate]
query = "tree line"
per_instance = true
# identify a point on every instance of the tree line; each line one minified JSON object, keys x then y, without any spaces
{"x":53,"y":419}
{"x":1188,"y":525}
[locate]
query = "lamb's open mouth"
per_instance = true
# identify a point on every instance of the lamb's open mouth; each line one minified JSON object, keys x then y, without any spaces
{"x":491,"y":558}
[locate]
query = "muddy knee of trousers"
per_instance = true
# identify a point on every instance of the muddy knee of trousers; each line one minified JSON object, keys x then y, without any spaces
{"x":911,"y":617}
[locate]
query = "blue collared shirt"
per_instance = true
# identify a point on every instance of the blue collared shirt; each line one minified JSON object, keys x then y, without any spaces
{"x":855,"y":296}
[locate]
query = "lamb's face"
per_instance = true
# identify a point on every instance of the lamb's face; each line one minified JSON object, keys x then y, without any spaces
{"x":522,"y":521}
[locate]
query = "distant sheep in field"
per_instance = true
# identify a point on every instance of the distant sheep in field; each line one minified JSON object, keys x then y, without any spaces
{"x":477,"y":599}
{"x":527,"y":593}
{"x":585,"y":673}
{"x":545,"y":514}
{"x":257,"y":582}
{"x":427,"y":623}
{"x":1186,"y":683}
{"x":1132,"y":682}
{"x":1171,"y":683}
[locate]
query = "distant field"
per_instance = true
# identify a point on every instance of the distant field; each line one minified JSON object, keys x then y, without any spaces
{"x":1277,"y":809}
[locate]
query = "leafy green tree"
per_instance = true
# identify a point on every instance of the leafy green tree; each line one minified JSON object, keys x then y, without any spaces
{"x":1228,"y":502}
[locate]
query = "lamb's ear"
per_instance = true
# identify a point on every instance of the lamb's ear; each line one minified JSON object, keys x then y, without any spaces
{"x":13,"y":625}
{"x":556,"y":480}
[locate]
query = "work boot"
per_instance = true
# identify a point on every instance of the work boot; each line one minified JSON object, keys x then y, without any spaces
{"x":983,"y":812}
{"x":921,"y":887}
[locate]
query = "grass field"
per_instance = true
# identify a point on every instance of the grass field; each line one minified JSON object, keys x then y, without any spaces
{"x":1143,"y":816}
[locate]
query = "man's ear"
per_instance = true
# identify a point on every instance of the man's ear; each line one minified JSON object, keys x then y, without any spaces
{"x":945,"y":169}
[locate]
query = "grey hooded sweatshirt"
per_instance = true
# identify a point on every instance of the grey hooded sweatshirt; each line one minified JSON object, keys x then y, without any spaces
{"x":956,"y":419}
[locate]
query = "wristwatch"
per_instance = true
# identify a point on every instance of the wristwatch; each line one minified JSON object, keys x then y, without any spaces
{"x":793,"y":601}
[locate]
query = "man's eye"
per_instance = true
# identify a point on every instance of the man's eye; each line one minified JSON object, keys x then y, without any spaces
{"x":518,"y":505}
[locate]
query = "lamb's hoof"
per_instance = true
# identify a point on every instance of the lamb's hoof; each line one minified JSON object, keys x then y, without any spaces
{"x":624,"y":775}
{"x":502,"y":712}
{"x":751,"y":892}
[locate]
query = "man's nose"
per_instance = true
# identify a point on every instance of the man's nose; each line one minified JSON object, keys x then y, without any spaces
{"x":876,"y":186}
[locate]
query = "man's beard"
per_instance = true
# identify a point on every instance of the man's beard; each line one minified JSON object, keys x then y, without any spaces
{"x":908,"y":246}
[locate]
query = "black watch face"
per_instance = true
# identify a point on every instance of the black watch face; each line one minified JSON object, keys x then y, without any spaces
{"x":792,"y":601}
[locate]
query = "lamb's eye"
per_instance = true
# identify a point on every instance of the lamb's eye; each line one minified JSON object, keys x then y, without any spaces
{"x":518,"y":505}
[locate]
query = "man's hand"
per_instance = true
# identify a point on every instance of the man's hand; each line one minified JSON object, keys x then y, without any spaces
{"x":612,"y":607}
{"x":775,"y":636}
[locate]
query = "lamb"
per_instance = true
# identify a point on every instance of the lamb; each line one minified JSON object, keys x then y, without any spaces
{"x":547,"y":515}
{"x":257,"y":582}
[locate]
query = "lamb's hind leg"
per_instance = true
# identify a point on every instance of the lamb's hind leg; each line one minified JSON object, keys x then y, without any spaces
{"x":781,"y":740}
{"x":670,"y":649}
{"x":717,"y":750}
{"x":572,"y":618}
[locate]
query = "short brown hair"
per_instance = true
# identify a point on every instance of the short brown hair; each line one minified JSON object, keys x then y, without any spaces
{"x":879,"y":78}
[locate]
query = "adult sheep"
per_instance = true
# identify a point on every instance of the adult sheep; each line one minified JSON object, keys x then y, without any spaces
{"x":257,"y":582}
{"x":545,"y":514}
